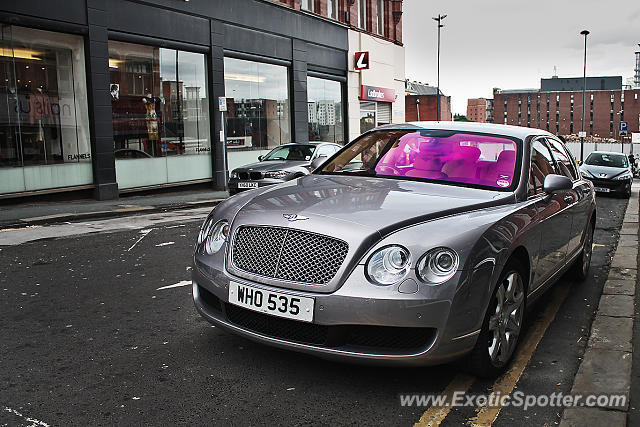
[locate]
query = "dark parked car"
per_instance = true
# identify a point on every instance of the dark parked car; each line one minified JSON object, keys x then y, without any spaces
{"x":416,"y":243}
{"x":610,"y":172}
{"x":281,"y":164}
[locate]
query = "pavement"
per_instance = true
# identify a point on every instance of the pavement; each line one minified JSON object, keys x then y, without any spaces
{"x":22,"y":214}
{"x":606,"y":368}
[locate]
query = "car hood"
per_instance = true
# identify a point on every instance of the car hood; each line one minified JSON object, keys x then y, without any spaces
{"x":357,"y":210}
{"x":272,"y":165}
{"x":380,"y":204}
{"x":605,"y":172}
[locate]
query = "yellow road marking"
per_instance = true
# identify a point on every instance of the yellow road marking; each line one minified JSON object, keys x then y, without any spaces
{"x":436,"y":414}
{"x":596,"y":245}
{"x":507,"y":382}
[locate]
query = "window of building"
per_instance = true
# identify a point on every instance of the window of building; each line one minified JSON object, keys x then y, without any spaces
{"x":362,"y":14}
{"x":332,"y":9}
{"x":258,"y":116}
{"x":307,"y":5}
{"x":380,"y":20}
{"x":326,"y":114}
{"x":160,"y":109}
{"x":44,"y":118}
{"x":368,"y":115}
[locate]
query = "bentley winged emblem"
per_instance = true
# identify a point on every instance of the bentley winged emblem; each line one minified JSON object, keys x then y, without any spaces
{"x":294,"y":217}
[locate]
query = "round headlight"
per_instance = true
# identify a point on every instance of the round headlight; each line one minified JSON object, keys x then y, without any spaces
{"x":438,"y":265}
{"x":217,"y":236}
{"x":389,"y":265}
{"x":205,"y":229}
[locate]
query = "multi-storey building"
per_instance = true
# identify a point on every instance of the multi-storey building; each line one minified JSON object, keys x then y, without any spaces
{"x":106,"y":96}
{"x":557,"y":106}
{"x":421,"y":103}
{"x":480,"y":110}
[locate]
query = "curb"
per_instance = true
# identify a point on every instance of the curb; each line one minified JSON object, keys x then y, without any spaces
{"x":606,"y":365}
{"x":118,"y":212}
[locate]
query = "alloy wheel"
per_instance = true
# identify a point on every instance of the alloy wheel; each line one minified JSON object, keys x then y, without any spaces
{"x":506,"y":322}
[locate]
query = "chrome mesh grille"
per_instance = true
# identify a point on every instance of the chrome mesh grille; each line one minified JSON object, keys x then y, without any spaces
{"x":287,"y":254}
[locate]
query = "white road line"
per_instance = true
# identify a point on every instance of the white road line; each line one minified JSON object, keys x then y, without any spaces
{"x":164,"y":244}
{"x":33,"y":421}
{"x":176,"y":285}
{"x":144,"y":234}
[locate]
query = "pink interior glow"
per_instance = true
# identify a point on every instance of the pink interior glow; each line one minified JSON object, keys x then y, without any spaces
{"x":465,"y":158}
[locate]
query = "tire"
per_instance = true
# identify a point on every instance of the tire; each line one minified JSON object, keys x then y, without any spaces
{"x":580,"y":269}
{"x":501,"y":327}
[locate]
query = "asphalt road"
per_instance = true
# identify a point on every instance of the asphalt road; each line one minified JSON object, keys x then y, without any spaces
{"x":88,"y":337}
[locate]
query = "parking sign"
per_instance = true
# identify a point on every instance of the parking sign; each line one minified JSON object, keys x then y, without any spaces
{"x":624,"y":126}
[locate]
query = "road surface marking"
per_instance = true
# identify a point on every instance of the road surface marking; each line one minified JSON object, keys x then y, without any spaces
{"x":436,"y":414}
{"x":164,"y":244}
{"x":507,"y":382}
{"x":176,"y":285}
{"x":33,"y":421}
{"x":144,"y":234}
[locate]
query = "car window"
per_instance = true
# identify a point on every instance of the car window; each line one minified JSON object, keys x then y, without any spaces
{"x":541,"y":166}
{"x":325,"y":151}
{"x":436,"y":155}
{"x":607,"y":159}
{"x":291,"y":152}
{"x":565,"y":164}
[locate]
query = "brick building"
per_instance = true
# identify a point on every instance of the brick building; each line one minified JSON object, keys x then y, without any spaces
{"x":421,"y":102}
{"x":480,"y":110}
{"x":375,"y":96}
{"x":557,"y":106}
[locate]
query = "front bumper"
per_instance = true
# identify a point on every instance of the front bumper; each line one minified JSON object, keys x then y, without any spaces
{"x":611,"y":185}
{"x":410,"y":329}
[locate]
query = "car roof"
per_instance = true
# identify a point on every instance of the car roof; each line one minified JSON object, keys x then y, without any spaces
{"x":608,"y":152}
{"x":507,"y":130}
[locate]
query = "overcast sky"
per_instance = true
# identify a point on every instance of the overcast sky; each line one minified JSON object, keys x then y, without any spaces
{"x":511,"y":44}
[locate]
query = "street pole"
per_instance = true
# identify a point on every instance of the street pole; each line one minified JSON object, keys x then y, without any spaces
{"x":585,"y":33}
{"x":440,"y":25}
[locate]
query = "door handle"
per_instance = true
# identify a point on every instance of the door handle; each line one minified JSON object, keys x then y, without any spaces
{"x":568,"y":198}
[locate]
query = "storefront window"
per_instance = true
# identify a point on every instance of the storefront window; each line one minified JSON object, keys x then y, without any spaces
{"x":43,"y":101}
{"x":159,"y":101}
{"x":367,"y":116}
{"x":326,"y":118}
{"x":257,"y":116}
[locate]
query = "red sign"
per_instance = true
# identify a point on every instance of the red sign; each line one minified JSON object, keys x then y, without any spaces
{"x":372,"y":93}
{"x":362,"y":61}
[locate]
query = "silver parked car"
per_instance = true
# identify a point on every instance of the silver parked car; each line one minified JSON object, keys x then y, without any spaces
{"x":416,"y":243}
{"x":283,"y":163}
{"x":610,"y":172}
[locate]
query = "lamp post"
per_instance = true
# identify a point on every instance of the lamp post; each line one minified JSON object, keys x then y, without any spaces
{"x":439,"y":20}
{"x":585,"y":33}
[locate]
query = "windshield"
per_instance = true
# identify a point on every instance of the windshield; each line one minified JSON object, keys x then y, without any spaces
{"x":291,"y":152}
{"x":606,"y":159}
{"x":446,"y":156}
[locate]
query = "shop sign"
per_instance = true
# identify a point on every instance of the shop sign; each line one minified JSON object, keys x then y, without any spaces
{"x":362,"y":61}
{"x":373,"y":93}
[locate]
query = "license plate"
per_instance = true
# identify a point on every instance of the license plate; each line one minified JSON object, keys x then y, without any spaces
{"x":273,"y":303}
{"x":602,"y":189}
{"x":247,"y":185}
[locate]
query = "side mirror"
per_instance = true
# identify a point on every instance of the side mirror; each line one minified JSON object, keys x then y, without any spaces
{"x":260,"y":158}
{"x":580,"y":163}
{"x":556,"y":184}
{"x":317,"y":162}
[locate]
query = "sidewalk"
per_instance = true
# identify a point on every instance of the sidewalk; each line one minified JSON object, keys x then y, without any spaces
{"x":35,"y":213}
{"x":606,"y":367}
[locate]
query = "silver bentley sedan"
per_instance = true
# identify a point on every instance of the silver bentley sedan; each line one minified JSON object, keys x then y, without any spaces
{"x":416,"y":243}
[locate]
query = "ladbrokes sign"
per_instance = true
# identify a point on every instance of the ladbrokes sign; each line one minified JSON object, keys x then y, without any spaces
{"x":373,"y":93}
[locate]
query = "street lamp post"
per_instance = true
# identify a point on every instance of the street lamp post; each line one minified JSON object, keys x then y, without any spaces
{"x":585,"y":33}
{"x":439,"y":20}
